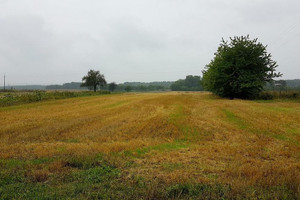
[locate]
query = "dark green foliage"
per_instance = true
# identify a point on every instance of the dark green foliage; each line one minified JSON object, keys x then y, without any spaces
{"x":265,"y":96}
{"x":128,"y":88}
{"x":240,"y":69}
{"x":112,"y":86}
{"x":145,"y":87}
{"x":190,"y":83}
{"x":93,"y":79}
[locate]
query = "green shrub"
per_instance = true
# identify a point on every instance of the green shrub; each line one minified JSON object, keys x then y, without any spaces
{"x":265,"y":96}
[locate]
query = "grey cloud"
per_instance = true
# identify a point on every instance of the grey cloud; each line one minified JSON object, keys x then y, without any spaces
{"x":53,"y":41}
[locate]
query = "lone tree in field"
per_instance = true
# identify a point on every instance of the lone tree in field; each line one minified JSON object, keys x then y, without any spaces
{"x":240,"y":69}
{"x":93,"y":79}
{"x":112,"y":86}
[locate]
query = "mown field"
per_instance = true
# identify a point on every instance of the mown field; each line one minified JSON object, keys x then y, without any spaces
{"x":150,"y":146}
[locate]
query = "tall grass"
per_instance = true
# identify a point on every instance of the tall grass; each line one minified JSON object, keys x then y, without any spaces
{"x":286,"y":94}
{"x":15,"y":98}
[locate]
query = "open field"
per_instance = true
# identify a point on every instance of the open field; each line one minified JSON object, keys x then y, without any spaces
{"x":150,"y":146}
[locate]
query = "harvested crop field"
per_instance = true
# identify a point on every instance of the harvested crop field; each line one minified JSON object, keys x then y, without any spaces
{"x":150,"y":146}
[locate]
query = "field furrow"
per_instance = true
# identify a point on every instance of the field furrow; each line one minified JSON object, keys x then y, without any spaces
{"x":165,"y":145}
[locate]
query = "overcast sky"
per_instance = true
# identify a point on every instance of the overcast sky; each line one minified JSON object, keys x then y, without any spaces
{"x":58,"y":41}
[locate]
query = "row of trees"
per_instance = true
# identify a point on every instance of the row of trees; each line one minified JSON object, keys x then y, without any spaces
{"x":141,"y":88}
{"x":72,"y":85}
{"x":190,"y":83}
{"x":240,"y":69}
{"x":94,"y":80}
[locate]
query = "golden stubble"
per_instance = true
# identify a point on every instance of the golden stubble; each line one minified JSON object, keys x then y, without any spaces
{"x":225,"y":141}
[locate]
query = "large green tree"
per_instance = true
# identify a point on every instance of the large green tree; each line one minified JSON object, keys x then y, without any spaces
{"x":240,"y":69}
{"x":93,"y":79}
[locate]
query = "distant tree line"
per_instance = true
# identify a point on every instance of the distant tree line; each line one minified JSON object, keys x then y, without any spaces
{"x":180,"y":85}
{"x":94,"y":79}
{"x":144,"y":87}
{"x":127,"y":86}
{"x":190,"y":83}
{"x":283,"y":85}
{"x":295,"y":83}
{"x":66,"y":86}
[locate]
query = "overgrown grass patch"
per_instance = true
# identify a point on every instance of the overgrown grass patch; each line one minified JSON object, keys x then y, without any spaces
{"x":198,"y":191}
{"x":286,"y":136}
{"x":84,"y":177}
{"x":177,"y":144}
{"x":234,"y":119}
{"x":172,"y":166}
{"x":177,"y":115}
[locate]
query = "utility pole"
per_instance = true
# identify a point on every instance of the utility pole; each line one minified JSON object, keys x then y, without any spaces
{"x":4,"y":82}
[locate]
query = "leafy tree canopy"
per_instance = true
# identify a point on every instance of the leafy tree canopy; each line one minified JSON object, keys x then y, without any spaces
{"x":93,"y":79}
{"x":240,"y":69}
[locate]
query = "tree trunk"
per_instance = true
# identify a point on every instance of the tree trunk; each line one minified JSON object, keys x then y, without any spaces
{"x":95,"y":88}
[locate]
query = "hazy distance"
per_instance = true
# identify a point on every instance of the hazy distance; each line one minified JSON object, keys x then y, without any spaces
{"x":54,"y":41}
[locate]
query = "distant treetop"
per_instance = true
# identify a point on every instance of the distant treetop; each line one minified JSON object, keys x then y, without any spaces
{"x":93,"y":79}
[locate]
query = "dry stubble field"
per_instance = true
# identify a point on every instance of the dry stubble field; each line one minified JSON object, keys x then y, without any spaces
{"x":150,"y":146}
